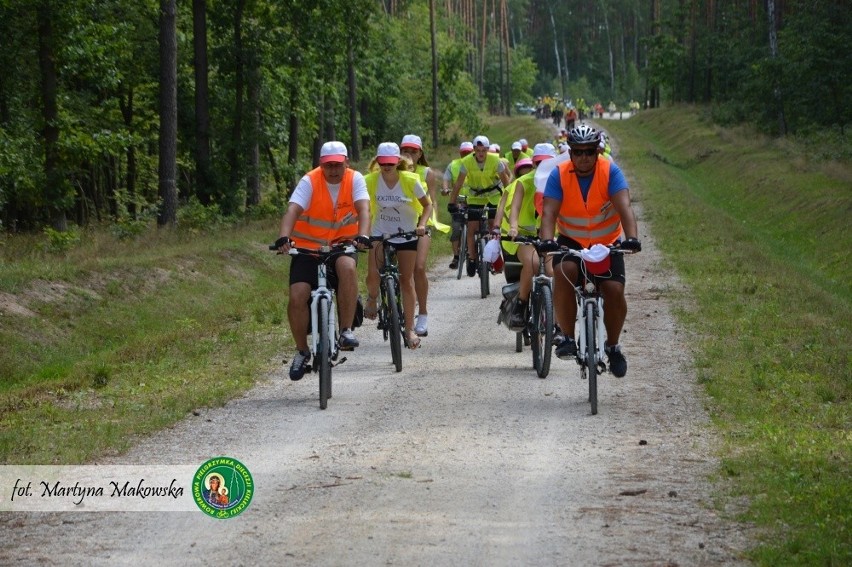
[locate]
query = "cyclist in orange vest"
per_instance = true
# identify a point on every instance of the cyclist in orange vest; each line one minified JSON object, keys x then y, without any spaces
{"x":588,"y":201}
{"x":329,"y":204}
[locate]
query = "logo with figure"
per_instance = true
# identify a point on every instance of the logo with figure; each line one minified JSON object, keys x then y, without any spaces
{"x":222,"y":487}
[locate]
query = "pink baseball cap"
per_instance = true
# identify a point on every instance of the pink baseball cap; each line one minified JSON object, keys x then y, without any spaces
{"x":465,"y":148}
{"x":523,"y":162}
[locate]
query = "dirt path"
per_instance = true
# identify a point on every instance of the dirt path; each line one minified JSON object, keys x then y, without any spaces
{"x":463,"y":458}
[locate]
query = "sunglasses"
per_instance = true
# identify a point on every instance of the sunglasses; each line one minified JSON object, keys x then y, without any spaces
{"x":587,"y":152}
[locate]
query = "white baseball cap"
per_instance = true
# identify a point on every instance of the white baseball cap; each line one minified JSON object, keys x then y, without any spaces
{"x":524,"y":143}
{"x":465,"y":148}
{"x":411,"y":141}
{"x":388,"y":152}
{"x":543,"y":151}
{"x":494,"y":148}
{"x":333,"y":152}
{"x":481,"y":141}
{"x":517,"y":146}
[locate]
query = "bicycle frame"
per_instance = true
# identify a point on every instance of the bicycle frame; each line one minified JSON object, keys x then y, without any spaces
{"x":321,"y":291}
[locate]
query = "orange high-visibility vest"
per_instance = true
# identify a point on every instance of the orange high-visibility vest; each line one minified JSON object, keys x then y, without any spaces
{"x":323,"y":223}
{"x":594,"y":221}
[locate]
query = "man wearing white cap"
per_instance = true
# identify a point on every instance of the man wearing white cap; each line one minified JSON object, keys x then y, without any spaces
{"x":329,"y":204}
{"x":514,"y":154}
{"x":450,"y":176}
{"x":486,"y":175}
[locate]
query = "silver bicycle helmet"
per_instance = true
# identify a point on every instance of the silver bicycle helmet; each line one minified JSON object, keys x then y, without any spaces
{"x":583,"y":134}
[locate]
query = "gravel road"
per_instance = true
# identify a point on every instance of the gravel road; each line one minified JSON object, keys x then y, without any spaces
{"x":466,"y":457}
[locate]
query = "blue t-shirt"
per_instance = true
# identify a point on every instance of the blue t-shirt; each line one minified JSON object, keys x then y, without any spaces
{"x":617,"y":182}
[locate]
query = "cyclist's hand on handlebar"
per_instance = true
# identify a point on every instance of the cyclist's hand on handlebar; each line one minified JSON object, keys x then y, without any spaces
{"x":452,"y":208}
{"x":495,"y":233}
{"x":282,"y":245}
{"x":420,"y":231}
{"x":632,"y":244}
{"x":548,"y":246}
{"x":513,"y":232}
{"x":362,"y":242}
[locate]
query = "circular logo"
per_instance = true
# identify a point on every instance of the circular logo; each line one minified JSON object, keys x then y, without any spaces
{"x":222,"y":487}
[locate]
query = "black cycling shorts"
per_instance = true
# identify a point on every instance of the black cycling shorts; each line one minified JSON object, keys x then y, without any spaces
{"x":303,"y":268}
{"x":616,"y":268}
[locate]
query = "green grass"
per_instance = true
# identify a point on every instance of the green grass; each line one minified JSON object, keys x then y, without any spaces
{"x":121,"y":339}
{"x":762,"y":239}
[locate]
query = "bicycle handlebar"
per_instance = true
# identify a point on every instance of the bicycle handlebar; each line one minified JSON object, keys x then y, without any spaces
{"x":343,"y":247}
{"x":400,"y":234}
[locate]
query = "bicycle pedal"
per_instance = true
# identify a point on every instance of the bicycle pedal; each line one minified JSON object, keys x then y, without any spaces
{"x":339,"y":362}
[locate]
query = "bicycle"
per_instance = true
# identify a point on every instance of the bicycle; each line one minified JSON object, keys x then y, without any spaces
{"x":483,"y":268}
{"x":540,"y":323}
{"x":323,"y":323}
{"x":390,"y":313}
{"x":460,"y":216}
{"x":591,"y":331}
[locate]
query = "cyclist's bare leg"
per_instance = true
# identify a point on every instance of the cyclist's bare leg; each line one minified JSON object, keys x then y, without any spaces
{"x":529,"y":265}
{"x":375,"y":258}
{"x":615,"y":309}
{"x":472,"y":228}
{"x":407,"y":259}
{"x":347,"y":290}
{"x":421,"y":282}
{"x":564,"y":296}
{"x":299,"y":313}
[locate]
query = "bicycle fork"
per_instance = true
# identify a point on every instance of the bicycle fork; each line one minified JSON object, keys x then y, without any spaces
{"x":600,"y":333}
{"x":332,"y":323}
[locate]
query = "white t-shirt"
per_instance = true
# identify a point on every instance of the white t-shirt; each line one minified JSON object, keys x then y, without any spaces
{"x":304,"y":190}
{"x":394,"y":210}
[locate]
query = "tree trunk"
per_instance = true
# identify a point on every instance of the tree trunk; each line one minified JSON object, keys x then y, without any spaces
{"x":773,"y":54}
{"x":432,"y":34}
{"x":126,"y":106}
{"x":53,"y":190}
{"x":239,"y":88}
{"x":203,"y":189}
{"x":353,"y":101}
{"x":168,"y":114}
{"x":253,"y":142}
{"x":556,"y":50}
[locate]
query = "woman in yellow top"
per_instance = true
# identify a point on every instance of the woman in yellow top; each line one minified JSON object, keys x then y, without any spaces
{"x":398,"y":201}
{"x":412,"y":148}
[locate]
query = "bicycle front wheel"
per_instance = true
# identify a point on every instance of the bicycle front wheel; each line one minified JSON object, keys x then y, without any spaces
{"x":591,"y":355}
{"x":324,"y":352}
{"x":484,"y":268}
{"x":394,"y":322}
{"x":542,"y":330}
{"x":462,"y":251}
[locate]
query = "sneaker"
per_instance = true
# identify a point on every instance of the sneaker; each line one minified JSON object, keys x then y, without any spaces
{"x":566,"y":350}
{"x":455,"y":263}
{"x":347,"y":340}
{"x":300,"y":365}
{"x":421,"y":327}
{"x":471,"y":268}
{"x":617,"y":362}
{"x":518,"y":318}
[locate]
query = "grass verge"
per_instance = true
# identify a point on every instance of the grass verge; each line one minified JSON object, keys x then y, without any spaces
{"x":762,"y":239}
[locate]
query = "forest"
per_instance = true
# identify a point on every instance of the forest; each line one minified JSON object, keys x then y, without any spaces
{"x":122,"y":112}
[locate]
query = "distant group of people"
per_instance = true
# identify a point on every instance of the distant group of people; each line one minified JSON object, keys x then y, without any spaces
{"x":584,"y":201}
